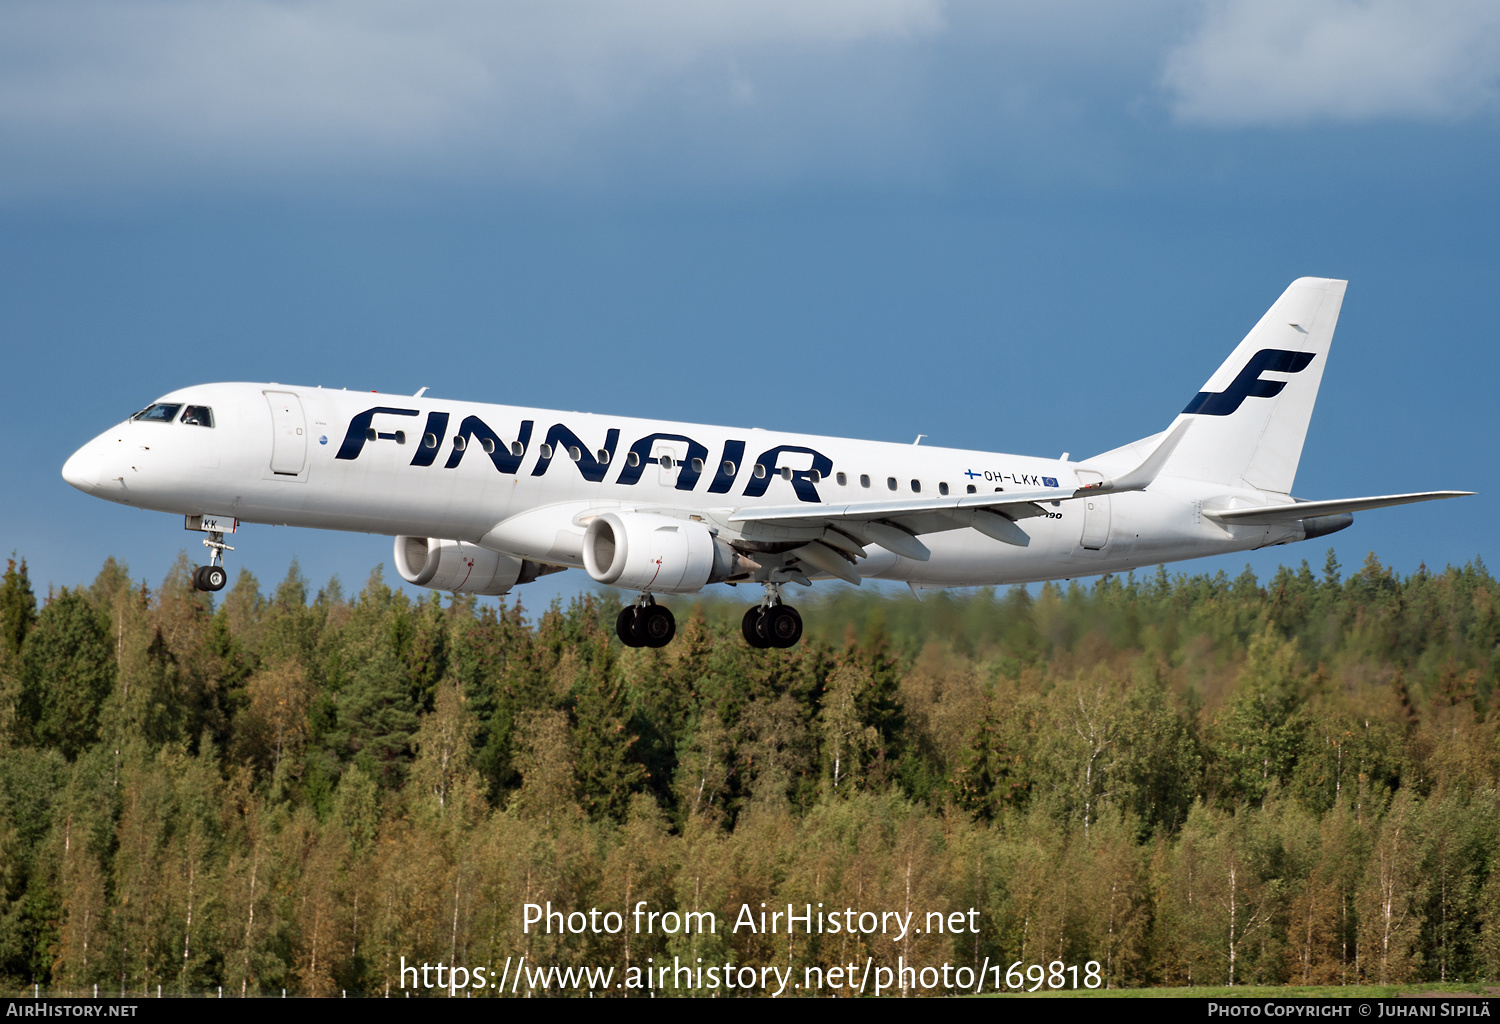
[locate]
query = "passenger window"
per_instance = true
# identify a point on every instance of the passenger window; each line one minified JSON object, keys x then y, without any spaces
{"x":158,"y":413}
{"x":198,"y":416}
{"x":890,"y":483}
{"x":943,"y":489}
{"x":760,"y":471}
{"x":916,"y":487}
{"x":864,"y":479}
{"x":730,"y":468}
{"x":972,"y":488}
{"x":843,"y":480}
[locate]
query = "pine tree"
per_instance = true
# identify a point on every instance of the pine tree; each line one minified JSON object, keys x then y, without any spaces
{"x":17,"y":607}
{"x":607,"y":768}
{"x":68,"y":670}
{"x":983,"y":783}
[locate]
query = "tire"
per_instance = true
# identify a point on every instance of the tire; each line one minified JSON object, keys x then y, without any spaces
{"x":214,"y":577}
{"x":656,"y":625}
{"x":625,"y":627}
{"x":198,"y":583}
{"x":750,"y":626}
{"x":781,"y":626}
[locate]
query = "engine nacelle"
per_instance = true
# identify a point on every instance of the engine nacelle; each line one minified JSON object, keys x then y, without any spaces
{"x":462,"y":568}
{"x":655,"y":553}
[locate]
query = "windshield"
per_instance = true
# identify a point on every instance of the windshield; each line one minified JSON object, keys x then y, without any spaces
{"x":198,"y":416}
{"x":159,"y":413}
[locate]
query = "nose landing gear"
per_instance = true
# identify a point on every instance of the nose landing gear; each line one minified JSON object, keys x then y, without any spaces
{"x":212,"y":576}
{"x":771,"y":623}
{"x":645,"y":624}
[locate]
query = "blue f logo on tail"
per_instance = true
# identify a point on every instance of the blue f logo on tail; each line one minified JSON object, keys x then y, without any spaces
{"x":1247,"y":384}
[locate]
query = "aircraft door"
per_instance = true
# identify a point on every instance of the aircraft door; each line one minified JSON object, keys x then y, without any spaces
{"x":1095,"y":515}
{"x":676,"y":451}
{"x":288,"y":434}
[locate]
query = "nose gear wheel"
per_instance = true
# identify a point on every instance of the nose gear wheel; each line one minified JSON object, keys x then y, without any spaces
{"x":212,"y":576}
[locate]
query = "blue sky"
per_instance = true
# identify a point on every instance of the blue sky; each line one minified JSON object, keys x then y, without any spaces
{"x":1021,"y":227}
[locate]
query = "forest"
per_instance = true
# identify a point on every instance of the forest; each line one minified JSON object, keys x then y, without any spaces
{"x":1189,"y":779}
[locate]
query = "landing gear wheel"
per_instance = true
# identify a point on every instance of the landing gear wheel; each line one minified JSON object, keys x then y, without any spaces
{"x":777,"y":625}
{"x":750,"y":626}
{"x":780,"y":626}
{"x":209,"y":577}
{"x":655,"y":625}
{"x":625,"y":627}
{"x":212,"y":576}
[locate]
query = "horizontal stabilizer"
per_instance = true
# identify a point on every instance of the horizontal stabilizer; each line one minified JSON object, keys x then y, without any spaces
{"x":1270,"y":515}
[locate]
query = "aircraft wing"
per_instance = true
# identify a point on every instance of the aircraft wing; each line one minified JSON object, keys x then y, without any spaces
{"x":1014,"y":504}
{"x":895,"y":525}
{"x":1270,"y":515}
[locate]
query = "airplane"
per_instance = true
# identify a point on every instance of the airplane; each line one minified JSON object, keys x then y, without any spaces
{"x":484,"y":498}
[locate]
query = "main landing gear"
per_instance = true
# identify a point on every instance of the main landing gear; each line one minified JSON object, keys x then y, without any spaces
{"x":771,"y":623}
{"x":212,"y":576}
{"x":645,"y":624}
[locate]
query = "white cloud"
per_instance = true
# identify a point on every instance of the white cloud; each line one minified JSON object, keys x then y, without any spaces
{"x":1295,"y":61}
{"x":99,"y":97}
{"x":306,"y":83}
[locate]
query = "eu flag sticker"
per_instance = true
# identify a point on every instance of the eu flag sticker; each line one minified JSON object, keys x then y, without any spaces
{"x":1049,"y":481}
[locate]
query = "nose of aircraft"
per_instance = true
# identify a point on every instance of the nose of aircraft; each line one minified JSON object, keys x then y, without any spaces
{"x":83,"y":466}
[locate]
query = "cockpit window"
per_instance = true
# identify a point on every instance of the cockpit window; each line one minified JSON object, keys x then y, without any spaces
{"x":198,"y":416}
{"x":161,"y":412}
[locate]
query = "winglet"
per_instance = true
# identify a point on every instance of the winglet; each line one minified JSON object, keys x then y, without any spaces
{"x":1139,"y":478}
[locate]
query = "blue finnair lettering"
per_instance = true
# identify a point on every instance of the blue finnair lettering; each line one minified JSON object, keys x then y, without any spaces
{"x":802,"y":479}
{"x":1247,"y":384}
{"x":360,"y":430}
{"x":592,"y":464}
{"x":729,"y":466}
{"x":687,"y":476}
{"x":505,"y":460}
{"x":560,"y":438}
{"x":437,"y":426}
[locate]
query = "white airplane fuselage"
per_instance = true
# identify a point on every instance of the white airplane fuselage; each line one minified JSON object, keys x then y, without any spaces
{"x":539,"y":510}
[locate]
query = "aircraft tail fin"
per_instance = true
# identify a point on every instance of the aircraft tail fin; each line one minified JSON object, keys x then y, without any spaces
{"x":1250,"y":418}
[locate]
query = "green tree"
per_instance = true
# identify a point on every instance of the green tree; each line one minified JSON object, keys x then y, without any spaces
{"x":67,"y":665}
{"x":17,"y":606}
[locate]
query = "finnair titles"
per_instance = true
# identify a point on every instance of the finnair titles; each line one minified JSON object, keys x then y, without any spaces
{"x":484,"y":498}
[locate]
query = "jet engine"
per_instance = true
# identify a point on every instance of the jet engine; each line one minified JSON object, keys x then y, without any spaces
{"x":656,"y":553}
{"x":463,"y":568}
